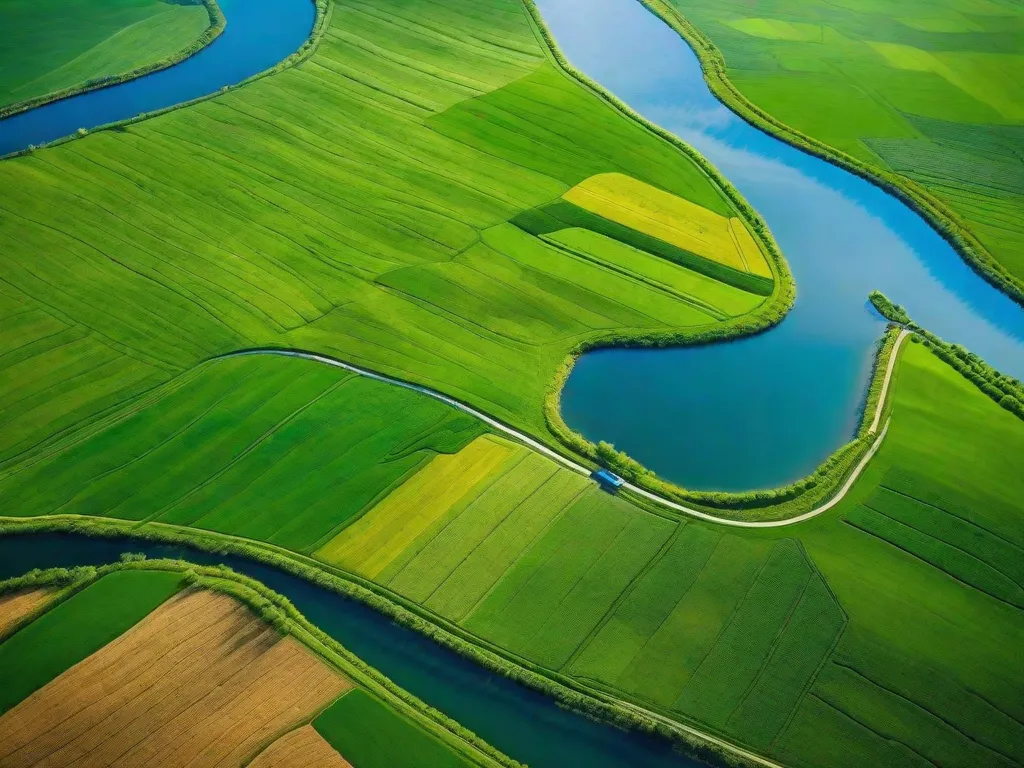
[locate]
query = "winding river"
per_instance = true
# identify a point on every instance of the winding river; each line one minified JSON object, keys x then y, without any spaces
{"x":766,"y":410}
{"x":752,"y":413}
{"x":524,"y":724}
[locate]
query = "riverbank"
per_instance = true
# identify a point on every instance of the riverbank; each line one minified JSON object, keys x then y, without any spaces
{"x":217,"y":22}
{"x":284,"y":617}
{"x":933,"y":210}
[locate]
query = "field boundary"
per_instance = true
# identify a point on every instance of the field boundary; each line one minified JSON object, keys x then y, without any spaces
{"x":568,"y":692}
{"x":278,"y":612}
{"x":529,"y":442}
{"x":938,"y":215}
{"x":213,"y":31}
{"x":321,"y":18}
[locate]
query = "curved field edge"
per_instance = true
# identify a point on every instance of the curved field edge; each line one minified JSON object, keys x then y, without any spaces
{"x":213,"y":31}
{"x":321,"y":20}
{"x":277,"y":611}
{"x":941,"y":218}
{"x":568,"y":692}
{"x":765,"y":316}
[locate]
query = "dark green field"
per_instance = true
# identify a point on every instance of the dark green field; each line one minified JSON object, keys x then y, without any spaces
{"x":77,"y":627}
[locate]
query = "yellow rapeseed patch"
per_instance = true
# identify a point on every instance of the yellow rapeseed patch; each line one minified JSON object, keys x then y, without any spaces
{"x":660,"y":214}
{"x":378,"y":537}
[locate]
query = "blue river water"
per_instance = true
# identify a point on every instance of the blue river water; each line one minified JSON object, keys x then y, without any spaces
{"x":766,"y":410}
{"x":258,"y":34}
{"x":524,"y":724}
{"x":753,"y":413}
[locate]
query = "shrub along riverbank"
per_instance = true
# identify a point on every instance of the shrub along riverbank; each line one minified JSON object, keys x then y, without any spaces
{"x":947,"y":222}
{"x":126,"y":54}
{"x":277,"y":611}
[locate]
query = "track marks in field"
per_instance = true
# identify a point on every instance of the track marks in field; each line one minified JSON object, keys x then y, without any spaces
{"x":201,"y":680}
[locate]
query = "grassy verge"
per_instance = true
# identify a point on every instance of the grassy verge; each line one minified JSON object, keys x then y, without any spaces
{"x":213,"y":31}
{"x":568,"y":692}
{"x":272,"y":608}
{"x":945,"y":221}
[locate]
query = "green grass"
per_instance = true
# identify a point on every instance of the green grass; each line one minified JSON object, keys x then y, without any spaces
{"x":926,"y":89}
{"x":77,"y":627}
{"x":57,"y":44}
{"x":273,"y":448}
{"x":826,"y":643}
{"x":369,"y":734}
{"x":553,"y":596}
{"x":356,"y":204}
{"x":923,"y":556}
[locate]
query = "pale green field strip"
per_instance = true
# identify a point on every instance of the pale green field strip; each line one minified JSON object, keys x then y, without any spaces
{"x":660,"y":214}
{"x":370,"y":544}
{"x":559,"y":589}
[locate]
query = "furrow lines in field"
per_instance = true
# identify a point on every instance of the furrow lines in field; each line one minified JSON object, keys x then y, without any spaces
{"x":872,"y":731}
{"x":923,"y":708}
{"x":114,"y":260}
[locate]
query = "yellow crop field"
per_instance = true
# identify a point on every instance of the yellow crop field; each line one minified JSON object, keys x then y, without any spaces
{"x":200,"y":681}
{"x":686,"y":225}
{"x":17,"y":605}
{"x":301,"y":748}
{"x":370,"y":544}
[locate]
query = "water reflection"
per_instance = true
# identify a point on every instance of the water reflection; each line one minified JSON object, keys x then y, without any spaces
{"x":767,"y":410}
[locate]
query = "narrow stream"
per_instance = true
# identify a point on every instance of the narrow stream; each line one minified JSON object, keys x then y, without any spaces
{"x":524,"y":724}
{"x":767,"y":410}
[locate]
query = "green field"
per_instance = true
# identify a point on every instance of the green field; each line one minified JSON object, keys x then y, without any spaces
{"x":880,"y":633}
{"x":928,"y":89}
{"x":374,"y":226}
{"x":52,"y":45}
{"x":274,"y":448}
{"x":77,"y":627}
{"x":370,"y":734}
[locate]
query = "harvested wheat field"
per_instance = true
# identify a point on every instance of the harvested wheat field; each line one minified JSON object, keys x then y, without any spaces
{"x":17,"y":605}
{"x":301,"y":748}
{"x":200,"y":681}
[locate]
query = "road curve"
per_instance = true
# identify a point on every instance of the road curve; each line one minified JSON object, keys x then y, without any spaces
{"x":576,"y":467}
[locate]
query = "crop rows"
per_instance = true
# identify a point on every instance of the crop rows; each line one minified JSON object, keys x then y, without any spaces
{"x":946,"y":557}
{"x":690,"y":227}
{"x":372,"y":542}
{"x":272,"y":448}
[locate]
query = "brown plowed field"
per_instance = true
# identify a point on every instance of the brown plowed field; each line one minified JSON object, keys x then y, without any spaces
{"x":200,"y":681}
{"x":301,"y":748}
{"x":16,"y":605}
